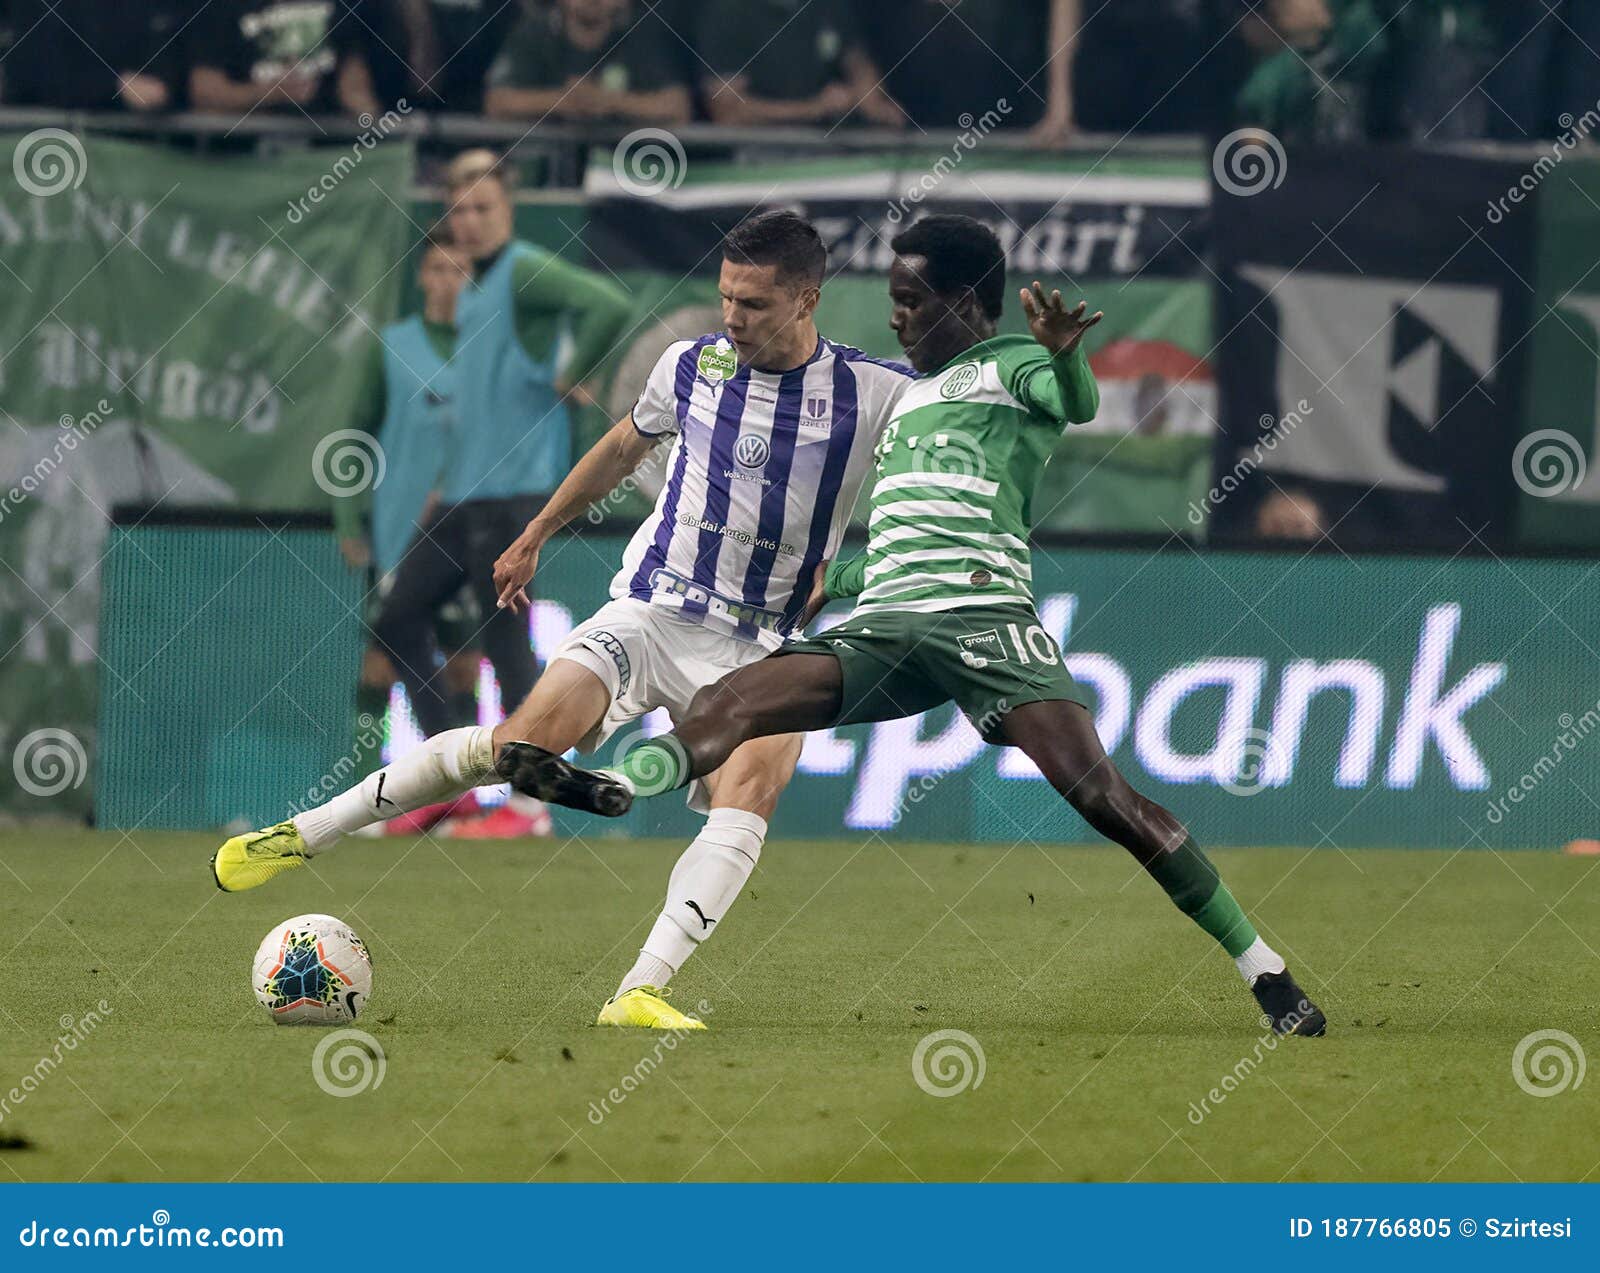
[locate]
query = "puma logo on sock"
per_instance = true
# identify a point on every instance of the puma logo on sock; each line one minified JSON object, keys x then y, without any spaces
{"x":704,"y":922}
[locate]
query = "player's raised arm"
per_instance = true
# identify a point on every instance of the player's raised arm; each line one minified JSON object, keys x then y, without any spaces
{"x":593,"y":477}
{"x":1070,"y":394}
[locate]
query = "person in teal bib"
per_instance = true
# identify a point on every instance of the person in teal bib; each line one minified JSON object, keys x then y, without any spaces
{"x":407,"y":402}
{"x":530,"y":327}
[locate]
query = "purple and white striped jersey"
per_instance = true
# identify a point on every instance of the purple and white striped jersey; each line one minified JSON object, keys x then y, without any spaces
{"x":760,"y":482}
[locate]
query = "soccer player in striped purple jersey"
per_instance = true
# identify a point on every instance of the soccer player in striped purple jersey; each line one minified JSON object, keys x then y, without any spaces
{"x":773,"y":430}
{"x":944,"y":594}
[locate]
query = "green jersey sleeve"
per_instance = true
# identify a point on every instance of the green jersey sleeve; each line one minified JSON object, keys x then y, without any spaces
{"x":1062,"y":388}
{"x":545,"y":285}
{"x":845,"y":578}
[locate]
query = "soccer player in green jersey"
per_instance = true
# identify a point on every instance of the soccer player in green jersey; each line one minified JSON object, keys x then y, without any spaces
{"x":944,"y":604}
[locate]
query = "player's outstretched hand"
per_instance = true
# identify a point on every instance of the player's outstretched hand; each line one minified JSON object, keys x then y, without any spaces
{"x":513,"y":571}
{"x":1053,"y":325}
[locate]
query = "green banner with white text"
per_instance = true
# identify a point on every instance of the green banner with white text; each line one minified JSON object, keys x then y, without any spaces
{"x":178,"y":330}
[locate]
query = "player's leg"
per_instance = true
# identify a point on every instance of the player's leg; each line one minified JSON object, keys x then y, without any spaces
{"x":491,"y":525}
{"x":432,"y":570}
{"x":1059,"y":737}
{"x":709,"y":875}
{"x":565,"y":704}
{"x":784,"y":693}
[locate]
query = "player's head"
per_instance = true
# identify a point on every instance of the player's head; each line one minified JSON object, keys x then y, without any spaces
{"x":946,"y":288}
{"x":444,"y":267}
{"x":772,"y":268}
{"x":478,"y":202}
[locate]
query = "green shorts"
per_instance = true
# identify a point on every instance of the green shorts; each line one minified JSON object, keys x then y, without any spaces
{"x":989,"y":659}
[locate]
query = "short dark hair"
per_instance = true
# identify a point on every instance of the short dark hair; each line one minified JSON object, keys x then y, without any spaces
{"x":438,"y":235}
{"x":781,"y":238}
{"x":960,"y":253}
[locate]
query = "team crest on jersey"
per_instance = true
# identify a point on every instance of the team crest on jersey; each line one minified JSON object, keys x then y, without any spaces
{"x":959,"y":381}
{"x":717,"y":362}
{"x":751,"y":450}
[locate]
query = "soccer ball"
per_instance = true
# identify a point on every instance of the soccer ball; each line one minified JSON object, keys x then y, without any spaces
{"x":313,"y":970}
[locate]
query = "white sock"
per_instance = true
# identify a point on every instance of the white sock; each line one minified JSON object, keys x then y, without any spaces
{"x":442,"y":768}
{"x":1257,"y":959}
{"x":703,"y":885}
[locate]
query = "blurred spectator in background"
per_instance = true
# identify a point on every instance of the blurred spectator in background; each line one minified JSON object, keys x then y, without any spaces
{"x":436,"y":53}
{"x":789,"y":62}
{"x":1290,"y":513}
{"x":589,"y":60}
{"x":1549,"y":67}
{"x":407,"y":402}
{"x":943,"y":59}
{"x":529,"y":328}
{"x":282,"y":55}
{"x":1441,"y":54}
{"x":1152,"y":66}
{"x":93,"y":55}
{"x":1312,"y":67}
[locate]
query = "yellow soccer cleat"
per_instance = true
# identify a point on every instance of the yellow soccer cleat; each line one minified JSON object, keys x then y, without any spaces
{"x":254,"y":858}
{"x":647,"y":1007}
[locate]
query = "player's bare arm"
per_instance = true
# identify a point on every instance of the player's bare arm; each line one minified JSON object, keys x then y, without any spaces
{"x":595,"y":476}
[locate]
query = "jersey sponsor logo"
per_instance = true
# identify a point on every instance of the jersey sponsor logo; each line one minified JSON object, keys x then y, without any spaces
{"x":738,"y":536}
{"x":751,"y":450}
{"x":667,"y":583}
{"x":979,"y":649}
{"x":609,"y":645}
{"x":717,"y":362}
{"x":959,"y":381}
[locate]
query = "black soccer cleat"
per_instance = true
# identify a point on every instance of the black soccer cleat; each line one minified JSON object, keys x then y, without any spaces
{"x":546,"y":776}
{"x":1289,"y":1010}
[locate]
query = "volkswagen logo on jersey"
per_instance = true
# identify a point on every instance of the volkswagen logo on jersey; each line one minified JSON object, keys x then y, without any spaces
{"x":751,"y":450}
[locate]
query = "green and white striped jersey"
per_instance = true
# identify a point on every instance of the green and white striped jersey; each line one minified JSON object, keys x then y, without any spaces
{"x":957,"y":466}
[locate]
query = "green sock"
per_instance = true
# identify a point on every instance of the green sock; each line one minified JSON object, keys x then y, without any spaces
{"x":656,"y":765}
{"x":1189,"y":879}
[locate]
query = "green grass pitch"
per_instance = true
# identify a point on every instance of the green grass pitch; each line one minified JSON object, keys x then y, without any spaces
{"x":1104,"y":1019}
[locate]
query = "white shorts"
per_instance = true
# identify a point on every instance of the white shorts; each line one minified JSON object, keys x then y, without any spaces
{"x":649,"y":657}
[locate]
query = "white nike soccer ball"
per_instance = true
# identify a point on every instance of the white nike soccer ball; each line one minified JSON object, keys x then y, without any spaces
{"x":313,"y":970}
